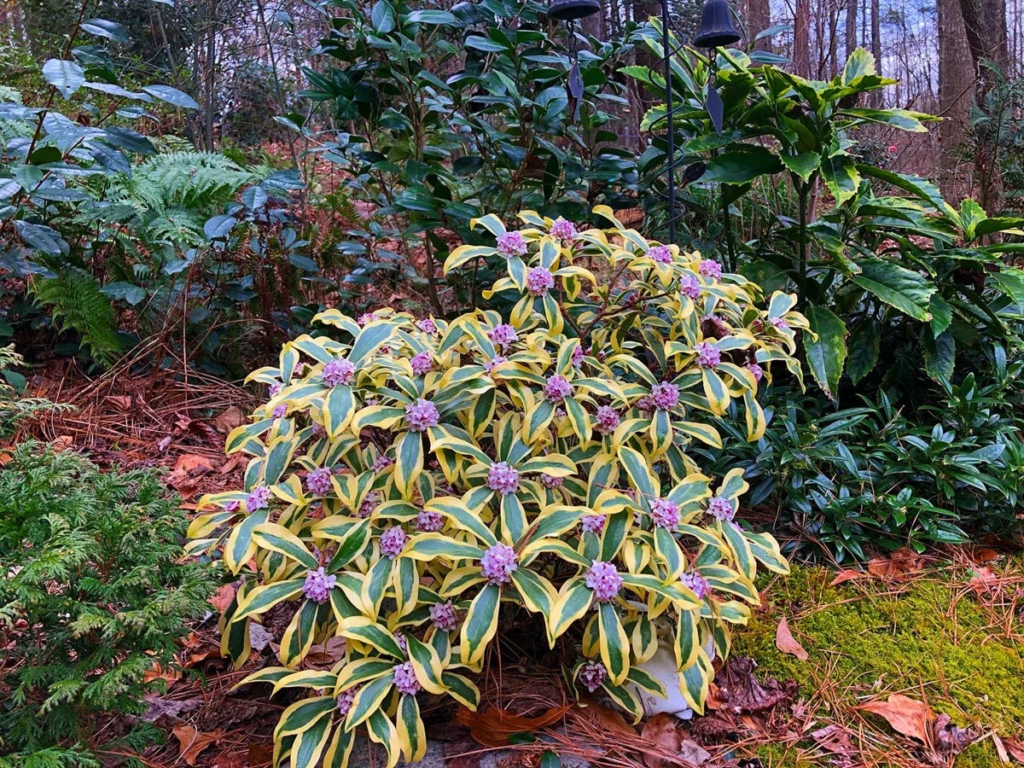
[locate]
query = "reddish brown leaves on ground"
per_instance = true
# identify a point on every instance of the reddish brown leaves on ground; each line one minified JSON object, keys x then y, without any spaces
{"x":900,"y":563}
{"x":740,"y":692}
{"x":940,"y":736}
{"x":191,"y":742}
{"x":493,"y":727}
{"x":786,"y":643}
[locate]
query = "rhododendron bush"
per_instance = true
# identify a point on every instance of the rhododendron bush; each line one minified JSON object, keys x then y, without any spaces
{"x":410,"y":478}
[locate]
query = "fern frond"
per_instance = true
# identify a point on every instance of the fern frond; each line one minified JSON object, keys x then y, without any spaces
{"x":76,"y":304}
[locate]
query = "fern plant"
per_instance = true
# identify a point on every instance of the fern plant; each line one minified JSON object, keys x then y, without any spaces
{"x":93,"y":598}
{"x":77,"y":304}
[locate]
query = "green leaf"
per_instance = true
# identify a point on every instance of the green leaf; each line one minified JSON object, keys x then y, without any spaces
{"x":841,"y":176}
{"x":431,"y":17}
{"x":826,"y":356}
{"x":864,"y":349}
{"x":803,"y":165}
{"x":903,"y":119}
{"x":860,"y":64}
{"x":907,"y":291}
{"x":942,"y":313}
{"x":171,"y":96}
{"x":939,"y":355}
{"x":103,"y":28}
{"x":66,"y":76}
{"x":133,"y":294}
{"x":738,"y":167}
{"x":382,"y":16}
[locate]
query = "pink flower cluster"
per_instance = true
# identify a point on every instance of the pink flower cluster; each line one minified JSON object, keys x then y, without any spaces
{"x":366,"y":318}
{"x":606,"y":420}
{"x":592,"y":523}
{"x":665,"y":396}
{"x":592,"y":674}
{"x":382,"y":462}
{"x":689,"y":286}
{"x":280,"y":411}
{"x":275,"y":388}
{"x":232,"y":506}
{"x":258,"y":498}
{"x":756,"y":370}
{"x":577,"y":356}
{"x":498,"y":564}
{"x":708,"y":355}
{"x":494,"y":362}
{"x":711,"y":268}
{"x":318,"y":482}
{"x":369,"y":504}
{"x":511,"y":244}
{"x":563,"y":230}
{"x":345,"y":700}
{"x":421,"y":416}
{"x":660,"y":254}
{"x":604,"y":580}
{"x":550,"y":481}
{"x":422,"y":363}
{"x":557,"y":388}
{"x":443,"y":616}
{"x":405,"y":679}
{"x":318,"y":585}
{"x":720,"y":509}
{"x":339,"y":371}
{"x":780,"y":323}
{"x":429,"y":522}
{"x":427,"y":326}
{"x":664,"y":513}
{"x":503,"y":478}
{"x":539,"y":281}
{"x":503,"y":335}
{"x":392,"y":541}
{"x":696,"y":582}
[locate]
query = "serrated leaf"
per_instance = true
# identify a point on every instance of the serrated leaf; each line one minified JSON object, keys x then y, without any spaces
{"x":826,"y":355}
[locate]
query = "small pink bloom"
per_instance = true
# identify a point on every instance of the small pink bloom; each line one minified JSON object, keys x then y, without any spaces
{"x":696,"y":582}
{"x":369,"y":503}
{"x":511,"y":244}
{"x":498,"y":564}
{"x":665,"y":396}
{"x":427,"y":326}
{"x":429,"y":522}
{"x":421,"y":416}
{"x":280,"y":411}
{"x":604,"y":580}
{"x":382,"y":462}
{"x":664,"y":513}
{"x":494,"y":362}
{"x":660,"y":254}
{"x":711,"y":268}
{"x":346,"y":699}
{"x":539,"y":281}
{"x":405,"y":679}
{"x":780,"y":323}
{"x":443,"y":616}
{"x":339,"y":371}
{"x":708,"y":355}
{"x":366,"y":318}
{"x":563,"y":230}
{"x":577,"y":356}
{"x":503,"y":335}
{"x":503,"y":478}
{"x":755,"y":369}
{"x":422,"y":363}
{"x":259,"y":498}
{"x":392,"y":541}
{"x":689,"y":286}
{"x":318,"y":585}
{"x":318,"y":482}
{"x":721,"y":509}
{"x":550,"y":481}
{"x":592,"y":523}
{"x":231,"y":506}
{"x":557,"y":388}
{"x":606,"y":420}
{"x":275,"y":388}
{"x":592,"y":675}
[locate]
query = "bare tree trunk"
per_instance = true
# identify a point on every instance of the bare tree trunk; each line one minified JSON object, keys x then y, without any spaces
{"x":210,"y":72}
{"x":956,"y":89}
{"x":875,"y":97}
{"x":757,"y":16}
{"x":851,"y":27}
{"x":801,"y":38}
{"x":995,"y":25}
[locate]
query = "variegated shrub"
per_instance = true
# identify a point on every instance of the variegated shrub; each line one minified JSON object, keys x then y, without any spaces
{"x":410,"y":477}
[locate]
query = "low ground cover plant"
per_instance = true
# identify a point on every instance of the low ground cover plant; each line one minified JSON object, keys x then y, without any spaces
{"x":91,"y":599}
{"x":408,"y":478}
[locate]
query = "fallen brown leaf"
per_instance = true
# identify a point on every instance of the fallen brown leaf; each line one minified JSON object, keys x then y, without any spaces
{"x":847,"y":574}
{"x":906,"y":716}
{"x":950,"y":739}
{"x":899,"y":563}
{"x":261,"y":754}
{"x":786,"y":643}
{"x":740,"y":691}
{"x":157,"y":672}
{"x":191,"y":742}
{"x":1001,"y":752}
{"x":494,"y":727}
{"x":222,"y":597}
{"x":190,"y":462}
{"x":985,"y":580}
{"x":229,"y":419}
{"x":833,"y":738}
{"x":1015,"y":747}
{"x":661,"y":732}
{"x":984,"y":555}
{"x":608,"y":719}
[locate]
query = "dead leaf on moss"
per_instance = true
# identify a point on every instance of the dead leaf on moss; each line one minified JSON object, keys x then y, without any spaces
{"x":1015,"y":748}
{"x":984,"y":580}
{"x":833,"y":738}
{"x":786,"y":643}
{"x":741,"y":692}
{"x":950,"y":739}
{"x":660,"y":731}
{"x":494,"y":727}
{"x":900,"y":563}
{"x":906,"y":716}
{"x":191,"y":742}
{"x":847,"y":574}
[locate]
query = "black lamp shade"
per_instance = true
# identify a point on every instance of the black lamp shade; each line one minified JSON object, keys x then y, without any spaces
{"x":569,"y":10}
{"x":716,"y":27}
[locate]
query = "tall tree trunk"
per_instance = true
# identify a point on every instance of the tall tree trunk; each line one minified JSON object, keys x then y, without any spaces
{"x":801,"y":38}
{"x":210,"y":71}
{"x":757,"y":16}
{"x":875,"y":97}
{"x":956,"y":89}
{"x":851,"y":27}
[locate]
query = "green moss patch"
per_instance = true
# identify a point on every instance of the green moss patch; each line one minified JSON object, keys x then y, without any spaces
{"x":929,"y":638}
